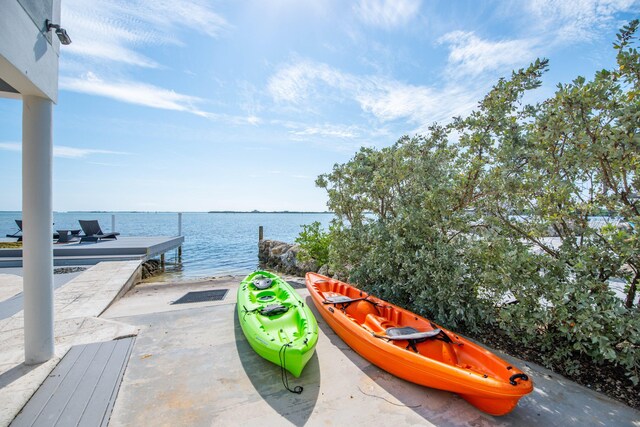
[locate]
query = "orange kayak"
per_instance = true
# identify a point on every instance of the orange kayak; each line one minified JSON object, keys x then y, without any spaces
{"x":416,"y":349}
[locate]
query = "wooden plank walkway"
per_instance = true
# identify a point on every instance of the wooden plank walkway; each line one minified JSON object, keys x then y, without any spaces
{"x":127,"y":248}
{"x":82,"y":389}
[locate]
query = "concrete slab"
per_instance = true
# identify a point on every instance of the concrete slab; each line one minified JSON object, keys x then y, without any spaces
{"x":77,"y":306}
{"x":10,"y":285}
{"x":191,"y":365}
{"x":157,"y":297}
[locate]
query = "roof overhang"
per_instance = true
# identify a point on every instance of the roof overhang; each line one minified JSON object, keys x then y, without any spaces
{"x":28,"y":54}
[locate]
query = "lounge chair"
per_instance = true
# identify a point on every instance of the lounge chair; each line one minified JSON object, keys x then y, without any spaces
{"x":93,"y":232}
{"x":67,"y":236}
{"x":17,"y":234}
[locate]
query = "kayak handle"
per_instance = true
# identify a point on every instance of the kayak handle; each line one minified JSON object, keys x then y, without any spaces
{"x":514,"y":377}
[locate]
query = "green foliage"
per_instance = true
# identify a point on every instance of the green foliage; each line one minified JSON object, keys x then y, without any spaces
{"x":314,"y":243}
{"x":452,"y":228}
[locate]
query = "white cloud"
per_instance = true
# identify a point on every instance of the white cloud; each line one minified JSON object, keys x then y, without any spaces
{"x":577,"y":20}
{"x":61,"y":150}
{"x":106,"y":33}
{"x":471,"y":55}
{"x":253,"y":120}
{"x":385,"y":99}
{"x":133,"y":93}
{"x":112,"y":31}
{"x":106,"y":39}
{"x":421,"y":105}
{"x":10,"y":146}
{"x":386,"y":13}
{"x":147,"y":95}
{"x":296,"y":82}
{"x":328,"y":130}
{"x":78,"y":153}
{"x":555,"y":22}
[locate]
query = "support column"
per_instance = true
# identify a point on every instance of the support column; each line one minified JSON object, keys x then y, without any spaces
{"x":37,"y":219}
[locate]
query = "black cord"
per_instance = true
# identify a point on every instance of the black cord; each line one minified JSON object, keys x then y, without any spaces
{"x":283,"y":372}
{"x":246,"y":312}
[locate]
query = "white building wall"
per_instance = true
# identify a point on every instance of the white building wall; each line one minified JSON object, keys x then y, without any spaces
{"x":28,"y":61}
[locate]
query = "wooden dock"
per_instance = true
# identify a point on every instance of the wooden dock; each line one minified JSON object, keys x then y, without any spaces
{"x":90,"y":253}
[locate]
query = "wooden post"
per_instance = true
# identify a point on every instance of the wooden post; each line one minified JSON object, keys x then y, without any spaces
{"x":260,"y":233}
{"x":179,"y":223}
{"x":162,"y":263}
{"x":180,"y":253}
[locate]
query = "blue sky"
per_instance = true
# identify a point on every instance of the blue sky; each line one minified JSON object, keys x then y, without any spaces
{"x":187,"y":105}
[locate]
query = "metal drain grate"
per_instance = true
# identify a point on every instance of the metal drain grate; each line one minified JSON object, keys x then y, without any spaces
{"x":202,"y":296}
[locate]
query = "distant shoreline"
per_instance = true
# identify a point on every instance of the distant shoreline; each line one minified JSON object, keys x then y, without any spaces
{"x":209,"y":212}
{"x":275,"y":212}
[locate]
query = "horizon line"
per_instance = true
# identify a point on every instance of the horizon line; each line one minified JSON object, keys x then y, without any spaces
{"x":160,"y":211}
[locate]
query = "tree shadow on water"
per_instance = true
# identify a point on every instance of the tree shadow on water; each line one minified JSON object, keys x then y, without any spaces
{"x":266,"y":379}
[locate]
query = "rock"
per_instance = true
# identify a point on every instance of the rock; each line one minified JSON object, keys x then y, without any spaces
{"x":307,"y":266}
{"x":279,"y":249}
{"x":324,"y":270}
{"x":65,"y":270}
{"x":151,"y":268}
{"x":288,"y":259}
{"x":283,"y":257}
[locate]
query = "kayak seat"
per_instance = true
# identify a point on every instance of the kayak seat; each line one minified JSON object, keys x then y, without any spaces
{"x":262,"y":284}
{"x":409,"y":333}
{"x":340,"y":299}
{"x":273,"y":309}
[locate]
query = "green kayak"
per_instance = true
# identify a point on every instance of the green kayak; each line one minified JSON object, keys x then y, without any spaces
{"x":277,"y":323}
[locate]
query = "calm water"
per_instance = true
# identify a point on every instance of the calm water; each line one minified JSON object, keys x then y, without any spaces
{"x":215,"y":243}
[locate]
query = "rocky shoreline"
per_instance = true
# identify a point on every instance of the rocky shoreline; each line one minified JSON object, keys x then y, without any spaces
{"x":283,"y":257}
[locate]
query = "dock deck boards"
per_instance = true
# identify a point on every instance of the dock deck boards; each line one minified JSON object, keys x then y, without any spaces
{"x":81,"y":390}
{"x":125,"y":248}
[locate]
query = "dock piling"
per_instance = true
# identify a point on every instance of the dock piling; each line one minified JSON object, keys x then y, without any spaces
{"x":260,"y":233}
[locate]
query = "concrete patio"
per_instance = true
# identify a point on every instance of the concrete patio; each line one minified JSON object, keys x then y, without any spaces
{"x":78,"y":305}
{"x":191,"y":365}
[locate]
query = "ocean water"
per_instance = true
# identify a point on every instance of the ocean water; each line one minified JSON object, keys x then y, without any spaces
{"x":215,"y":243}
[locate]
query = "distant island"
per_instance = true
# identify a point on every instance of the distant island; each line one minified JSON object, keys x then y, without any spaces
{"x":166,"y":212}
{"x":275,"y":212}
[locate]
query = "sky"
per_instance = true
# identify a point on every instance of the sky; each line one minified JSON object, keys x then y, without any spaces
{"x":192,"y":105}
